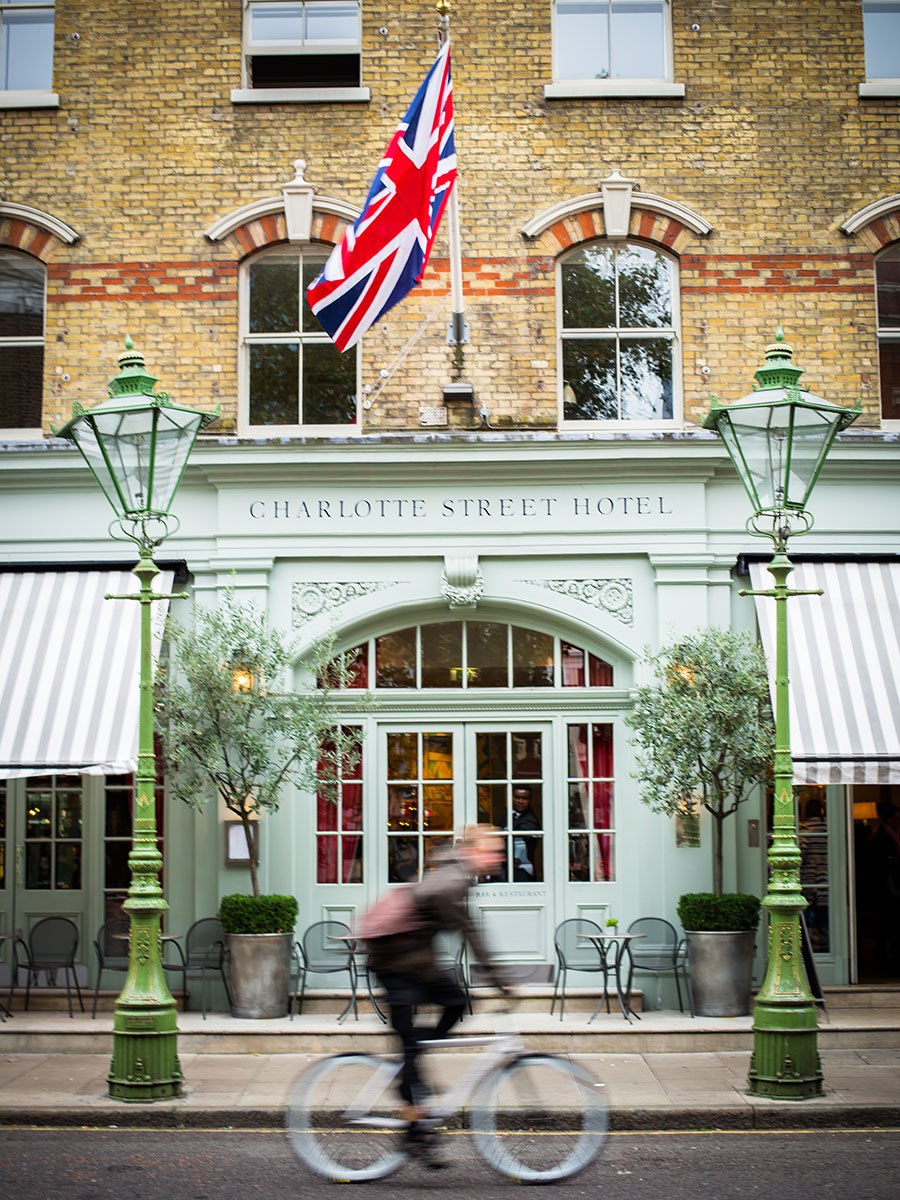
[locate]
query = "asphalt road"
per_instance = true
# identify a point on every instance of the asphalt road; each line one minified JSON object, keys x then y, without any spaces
{"x":110,"y":1164}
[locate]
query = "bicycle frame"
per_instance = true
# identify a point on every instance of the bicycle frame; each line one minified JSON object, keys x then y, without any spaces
{"x":500,"y":1048}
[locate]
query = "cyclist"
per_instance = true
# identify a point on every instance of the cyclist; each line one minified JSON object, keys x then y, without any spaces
{"x":405,"y":964}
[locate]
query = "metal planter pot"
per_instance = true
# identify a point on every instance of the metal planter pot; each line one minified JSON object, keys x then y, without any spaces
{"x":721,"y":972}
{"x":260,"y":973}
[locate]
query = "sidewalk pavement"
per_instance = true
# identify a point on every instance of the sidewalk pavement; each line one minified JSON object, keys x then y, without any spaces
{"x":670,"y":1090}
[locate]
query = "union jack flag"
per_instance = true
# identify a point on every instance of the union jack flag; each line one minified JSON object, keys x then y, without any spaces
{"x":383,"y":255}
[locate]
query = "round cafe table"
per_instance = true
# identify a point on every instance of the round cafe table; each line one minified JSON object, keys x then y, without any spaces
{"x":613,"y":948}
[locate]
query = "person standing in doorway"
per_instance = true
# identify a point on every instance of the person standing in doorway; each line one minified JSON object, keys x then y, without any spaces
{"x":524,"y":820}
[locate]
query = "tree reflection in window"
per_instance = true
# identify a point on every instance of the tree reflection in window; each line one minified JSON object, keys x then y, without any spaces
{"x":612,"y":368}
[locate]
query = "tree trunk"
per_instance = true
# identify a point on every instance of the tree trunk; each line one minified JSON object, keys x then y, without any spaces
{"x":717,"y":854}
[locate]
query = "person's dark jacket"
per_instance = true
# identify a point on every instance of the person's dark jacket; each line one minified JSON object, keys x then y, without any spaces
{"x":441,"y":905}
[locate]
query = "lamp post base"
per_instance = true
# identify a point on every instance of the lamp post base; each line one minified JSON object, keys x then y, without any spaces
{"x":145,"y":1064}
{"x":785,"y":1064}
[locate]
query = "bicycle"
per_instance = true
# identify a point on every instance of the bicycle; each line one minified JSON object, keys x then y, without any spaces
{"x":535,"y":1118}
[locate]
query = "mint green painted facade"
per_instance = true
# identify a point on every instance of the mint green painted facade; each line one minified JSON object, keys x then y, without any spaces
{"x":611,"y":544}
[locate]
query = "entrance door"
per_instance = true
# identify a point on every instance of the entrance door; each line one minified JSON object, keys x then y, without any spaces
{"x":42,"y":854}
{"x":439,"y":777}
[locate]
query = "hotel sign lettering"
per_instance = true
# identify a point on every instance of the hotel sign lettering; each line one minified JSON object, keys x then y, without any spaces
{"x":482,"y":511}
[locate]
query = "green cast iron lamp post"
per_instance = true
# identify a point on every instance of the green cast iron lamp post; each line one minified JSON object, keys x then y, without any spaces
{"x":778,"y":438}
{"x":137,"y":445}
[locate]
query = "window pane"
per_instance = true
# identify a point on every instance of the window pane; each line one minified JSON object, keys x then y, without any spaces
{"x":26,"y":50}
{"x":578,"y":751}
{"x":118,"y":813}
{"x":582,"y":39}
{"x":329,"y":385}
{"x":21,"y":386}
{"x":351,"y":806}
{"x":21,"y":296}
{"x":526,"y":756}
{"x":310,"y":267}
{"x":601,"y":673}
{"x":403,"y":808}
{"x":491,"y":756}
{"x":37,"y":865}
{"x":572,"y":665}
{"x":337,"y":22}
{"x":532,"y":658}
{"x":68,"y":866}
{"x":437,"y":806}
{"x":638,"y":39}
{"x":326,"y":812}
{"x":887,"y":279}
{"x":645,"y":289}
{"x":579,"y":806}
{"x":395,"y":659}
{"x":326,"y":860}
{"x":487,"y":646}
{"x":276,"y":22}
{"x":437,"y":756}
{"x":881,"y":33}
{"x":589,"y":379}
{"x":589,"y":288}
{"x":602,"y":736}
{"x":403,"y":859}
{"x":442,"y":655}
{"x":68,"y":815}
{"x":889,"y":367}
{"x":492,"y":804}
{"x":604,"y":862}
{"x":403,"y":756}
{"x":646,"y":373}
{"x":39,"y":815}
{"x":579,"y":858}
{"x":274,"y":385}
{"x":351,"y":860}
{"x":274,"y":296}
{"x":603,"y":806}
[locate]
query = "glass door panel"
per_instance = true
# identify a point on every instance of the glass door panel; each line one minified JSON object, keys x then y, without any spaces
{"x":509,"y":794}
{"x":421,"y":776}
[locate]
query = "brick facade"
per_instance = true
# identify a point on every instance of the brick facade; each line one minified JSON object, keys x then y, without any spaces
{"x":771,"y":146}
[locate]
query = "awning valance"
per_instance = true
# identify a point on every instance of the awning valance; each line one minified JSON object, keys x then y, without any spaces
{"x":844,"y":667}
{"x":70,"y":670}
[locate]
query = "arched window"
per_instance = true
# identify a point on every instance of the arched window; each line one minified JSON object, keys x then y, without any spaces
{"x":887,"y":283}
{"x":618,"y":331}
{"x":471,"y":655}
{"x":22,"y":288}
{"x":292,"y":374}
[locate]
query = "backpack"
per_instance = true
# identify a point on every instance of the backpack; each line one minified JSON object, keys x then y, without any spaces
{"x":393,"y":912}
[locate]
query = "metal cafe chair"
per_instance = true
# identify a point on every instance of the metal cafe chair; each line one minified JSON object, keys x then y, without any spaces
{"x":660,"y":951}
{"x":111,"y":950}
{"x":326,"y":949}
{"x":50,"y":947}
{"x":203,"y":953}
{"x":574,"y":953}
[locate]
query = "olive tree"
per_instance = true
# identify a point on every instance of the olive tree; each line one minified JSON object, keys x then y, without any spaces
{"x":704,"y":730}
{"x":231,"y":724}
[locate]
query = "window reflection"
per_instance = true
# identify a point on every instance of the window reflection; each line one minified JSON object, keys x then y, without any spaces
{"x":470,"y":654}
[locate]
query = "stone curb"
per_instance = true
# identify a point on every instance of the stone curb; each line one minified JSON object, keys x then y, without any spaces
{"x":789,"y":1115}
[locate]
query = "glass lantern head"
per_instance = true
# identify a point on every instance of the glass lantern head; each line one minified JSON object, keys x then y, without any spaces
{"x":778,"y":437}
{"x":136,"y":443}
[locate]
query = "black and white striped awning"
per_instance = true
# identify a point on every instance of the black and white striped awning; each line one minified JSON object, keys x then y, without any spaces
{"x":70,"y":670}
{"x":844,"y":656}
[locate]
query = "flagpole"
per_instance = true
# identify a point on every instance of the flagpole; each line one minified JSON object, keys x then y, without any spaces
{"x":458,"y":330}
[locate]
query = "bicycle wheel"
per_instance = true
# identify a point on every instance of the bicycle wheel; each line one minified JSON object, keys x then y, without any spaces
{"x":327,"y":1102}
{"x":539,"y":1118}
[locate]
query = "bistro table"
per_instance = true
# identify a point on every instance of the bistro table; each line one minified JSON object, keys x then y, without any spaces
{"x":612,"y":948}
{"x":351,"y":940}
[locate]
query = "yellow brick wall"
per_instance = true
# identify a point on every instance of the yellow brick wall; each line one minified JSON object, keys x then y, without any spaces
{"x":771,"y":145}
